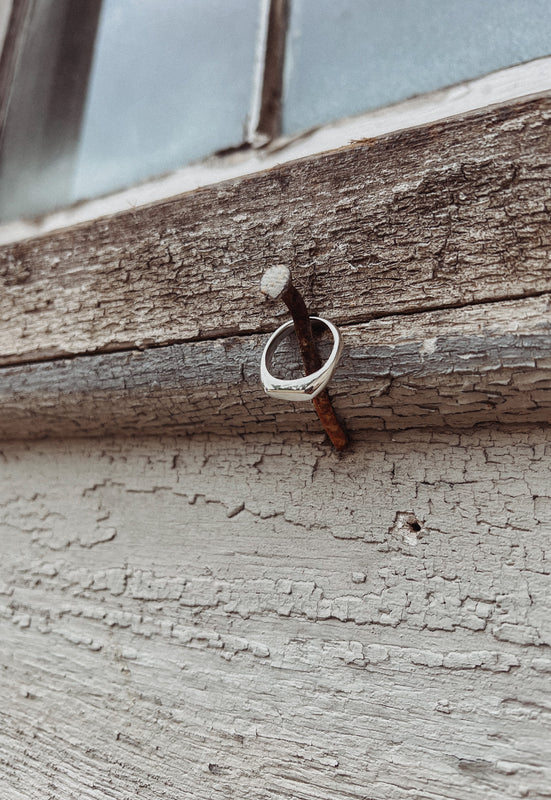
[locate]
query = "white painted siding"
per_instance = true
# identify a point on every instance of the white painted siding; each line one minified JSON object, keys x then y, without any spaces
{"x":260,"y":618}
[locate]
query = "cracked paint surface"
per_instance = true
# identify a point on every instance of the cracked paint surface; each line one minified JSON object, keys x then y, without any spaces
{"x":259,"y":617}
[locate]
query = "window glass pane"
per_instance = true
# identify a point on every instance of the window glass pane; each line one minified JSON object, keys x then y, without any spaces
{"x":178,"y":89}
{"x":350,"y":56}
{"x":167,"y":82}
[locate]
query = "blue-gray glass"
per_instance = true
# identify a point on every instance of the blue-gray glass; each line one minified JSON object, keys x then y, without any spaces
{"x":109,"y":93}
{"x":348,"y":56}
{"x":171,"y":82}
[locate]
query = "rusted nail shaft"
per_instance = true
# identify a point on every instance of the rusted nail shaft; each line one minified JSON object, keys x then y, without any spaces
{"x":303,"y":329}
{"x":333,"y":428}
{"x":276,"y":283}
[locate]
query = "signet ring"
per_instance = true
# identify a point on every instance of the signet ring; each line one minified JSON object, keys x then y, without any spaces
{"x":307,"y":387}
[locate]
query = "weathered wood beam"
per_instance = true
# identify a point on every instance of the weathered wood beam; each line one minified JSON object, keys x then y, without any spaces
{"x":443,"y":215}
{"x":457,"y":367}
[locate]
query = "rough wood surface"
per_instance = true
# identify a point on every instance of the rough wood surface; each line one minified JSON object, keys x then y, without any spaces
{"x":260,"y":618}
{"x":458,"y":367}
{"x":443,"y":215}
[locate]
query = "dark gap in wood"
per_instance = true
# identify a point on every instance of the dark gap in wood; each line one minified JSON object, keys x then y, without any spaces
{"x":236,"y":148}
{"x":244,"y":334}
{"x":475,"y":371}
{"x":269,"y":120}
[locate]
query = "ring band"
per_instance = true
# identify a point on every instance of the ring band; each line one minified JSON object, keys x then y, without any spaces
{"x":309,"y":386}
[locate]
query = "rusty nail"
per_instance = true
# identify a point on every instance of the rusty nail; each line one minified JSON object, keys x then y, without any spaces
{"x":277,"y":284}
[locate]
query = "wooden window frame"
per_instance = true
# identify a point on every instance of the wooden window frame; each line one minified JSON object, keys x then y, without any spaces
{"x":429,"y":246}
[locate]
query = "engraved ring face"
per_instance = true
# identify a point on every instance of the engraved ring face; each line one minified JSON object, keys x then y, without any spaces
{"x":309,"y":386}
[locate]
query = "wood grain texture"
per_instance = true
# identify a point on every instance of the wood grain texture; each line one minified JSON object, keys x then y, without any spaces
{"x":443,"y":215}
{"x":458,"y":367}
{"x":260,"y":618}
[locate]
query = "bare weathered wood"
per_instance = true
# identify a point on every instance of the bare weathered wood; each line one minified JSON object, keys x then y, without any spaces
{"x":439,"y":216}
{"x":458,"y":367}
{"x":259,"y":618}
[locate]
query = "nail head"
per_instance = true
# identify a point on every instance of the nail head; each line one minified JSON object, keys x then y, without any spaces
{"x":275,"y":280}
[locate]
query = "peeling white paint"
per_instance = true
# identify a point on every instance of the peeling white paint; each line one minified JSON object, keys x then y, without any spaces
{"x":316,"y":640}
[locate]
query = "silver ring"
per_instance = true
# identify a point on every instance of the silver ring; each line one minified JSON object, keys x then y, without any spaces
{"x":309,"y":386}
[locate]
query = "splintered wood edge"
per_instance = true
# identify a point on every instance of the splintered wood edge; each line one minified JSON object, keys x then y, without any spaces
{"x":459,"y":367}
{"x":447,"y":214}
